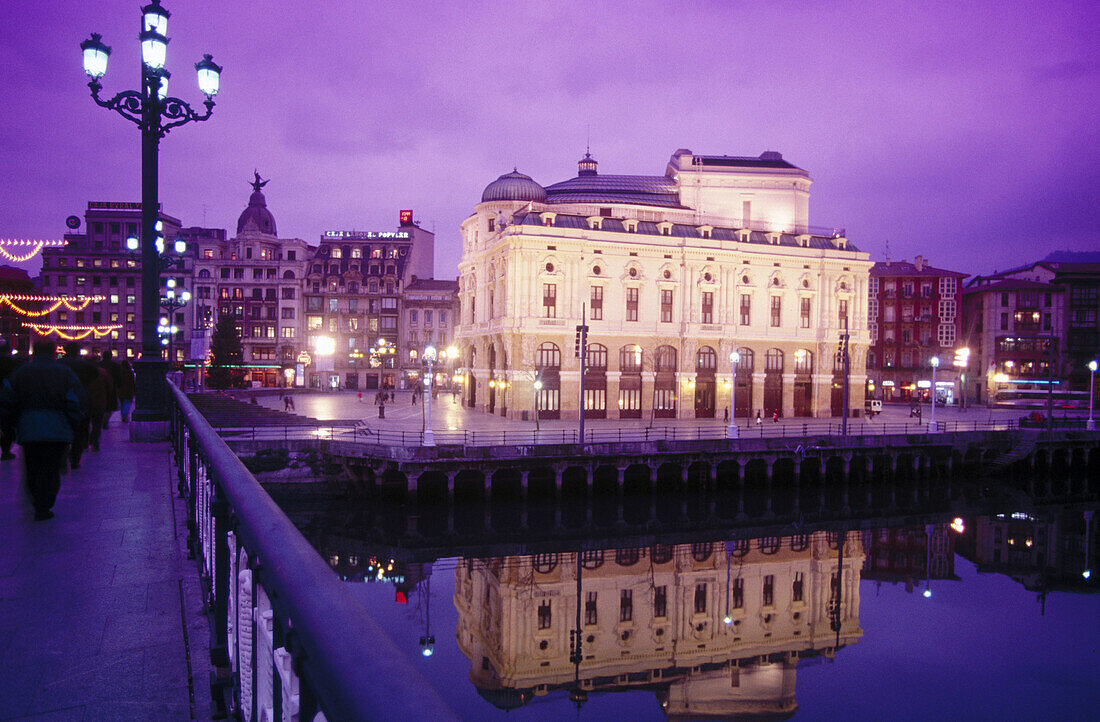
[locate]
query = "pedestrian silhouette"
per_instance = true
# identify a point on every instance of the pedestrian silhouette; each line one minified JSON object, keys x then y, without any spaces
{"x":41,"y":401}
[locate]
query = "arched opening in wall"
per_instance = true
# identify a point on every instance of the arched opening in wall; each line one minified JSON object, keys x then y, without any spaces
{"x":605,"y":496}
{"x":745,"y":366}
{"x":469,"y":486}
{"x":664,"y":383}
{"x":669,"y":481}
{"x":505,"y":509}
{"x":636,"y":494}
{"x":595,"y":382}
{"x":492,"y":405}
{"x":706,"y":366}
{"x":773,"y":382}
{"x":548,"y":370}
{"x":574,"y":497}
{"x":431,"y":502}
{"x":394,"y":485}
{"x":630,"y":382}
{"x":803,"y":382}
{"x":755,"y":491}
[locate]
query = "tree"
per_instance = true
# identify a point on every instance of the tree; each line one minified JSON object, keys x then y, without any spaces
{"x":227,"y":356}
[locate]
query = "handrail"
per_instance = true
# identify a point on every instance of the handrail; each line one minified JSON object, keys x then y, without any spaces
{"x":354,"y":671}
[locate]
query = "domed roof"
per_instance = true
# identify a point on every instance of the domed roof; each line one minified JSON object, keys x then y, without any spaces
{"x":257,"y":212}
{"x":514,"y":186}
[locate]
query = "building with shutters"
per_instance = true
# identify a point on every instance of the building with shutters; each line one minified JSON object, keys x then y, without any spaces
{"x":672,"y":273}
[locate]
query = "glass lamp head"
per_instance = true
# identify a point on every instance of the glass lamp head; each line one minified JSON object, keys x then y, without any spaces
{"x":185,"y":296}
{"x":132,"y":243}
{"x":155,"y":17}
{"x":209,"y":75}
{"x":429,"y":353}
{"x":1092,"y":366}
{"x":180,"y":246}
{"x":935,"y":361}
{"x":735,"y":357}
{"x":95,"y":56}
{"x":154,"y":49}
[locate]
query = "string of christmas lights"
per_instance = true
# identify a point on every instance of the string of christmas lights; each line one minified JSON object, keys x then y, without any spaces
{"x":36,"y":248}
{"x":72,"y":333}
{"x":77,"y":303}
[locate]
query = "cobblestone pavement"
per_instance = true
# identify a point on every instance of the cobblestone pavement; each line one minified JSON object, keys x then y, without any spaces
{"x":100,"y":609}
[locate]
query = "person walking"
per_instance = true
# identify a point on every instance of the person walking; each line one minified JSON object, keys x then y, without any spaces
{"x":775,"y":416}
{"x":759,"y":420}
{"x":114,"y":372}
{"x":41,"y":401}
{"x":126,"y":390}
{"x":90,"y":383}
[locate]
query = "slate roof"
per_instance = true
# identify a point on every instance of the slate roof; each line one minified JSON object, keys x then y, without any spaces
{"x":431,"y":284}
{"x":648,"y":228}
{"x":643,"y":190}
{"x":1011,"y":284}
{"x":905,"y":268}
{"x":743,"y":161}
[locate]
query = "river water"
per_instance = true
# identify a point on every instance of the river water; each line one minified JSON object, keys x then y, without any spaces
{"x":971,"y":603}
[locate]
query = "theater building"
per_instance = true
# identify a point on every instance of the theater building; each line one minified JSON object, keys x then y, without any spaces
{"x":672,"y":273}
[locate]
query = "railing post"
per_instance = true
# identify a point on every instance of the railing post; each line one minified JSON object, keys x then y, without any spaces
{"x":219,"y":510}
{"x":190,"y":496}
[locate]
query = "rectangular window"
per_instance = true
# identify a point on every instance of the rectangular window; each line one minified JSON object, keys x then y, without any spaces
{"x":738,"y":593}
{"x":777,"y":310}
{"x":544,"y":614}
{"x":842,"y":313}
{"x":796,"y":587}
{"x":596,"y":313}
{"x":590,"y":614}
{"x":803,"y":313}
{"x":660,"y":601}
{"x":1004,"y":320}
{"x":286,"y":332}
{"x":427,"y":318}
{"x":413,"y":320}
{"x":701,"y":598}
{"x":746,"y":309}
{"x":549,"y":300}
{"x":626,"y":605}
{"x":708,"y":307}
{"x":631,"y":304}
{"x":442,"y":318}
{"x":769,"y":590}
{"x":666,"y":306}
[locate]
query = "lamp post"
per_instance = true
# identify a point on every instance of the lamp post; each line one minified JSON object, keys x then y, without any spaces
{"x":538,"y":389}
{"x":1088,"y":521}
{"x":428,"y":358}
{"x":731,"y":431}
{"x":962,"y":361}
{"x":1090,"y":425}
{"x":155,"y":114}
{"x":935,"y":361}
{"x":170,"y":303}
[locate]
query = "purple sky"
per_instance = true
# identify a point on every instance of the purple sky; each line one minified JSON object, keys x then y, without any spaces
{"x":965,"y":132}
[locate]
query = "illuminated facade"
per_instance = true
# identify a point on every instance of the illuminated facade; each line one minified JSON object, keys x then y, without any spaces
{"x":353,"y":296}
{"x":672,"y":273}
{"x":655,"y":618}
{"x":256,"y":278}
{"x":429,"y":308}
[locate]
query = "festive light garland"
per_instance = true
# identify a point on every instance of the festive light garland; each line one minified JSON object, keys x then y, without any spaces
{"x":78,"y":332}
{"x":77,"y":303}
{"x":36,"y":247}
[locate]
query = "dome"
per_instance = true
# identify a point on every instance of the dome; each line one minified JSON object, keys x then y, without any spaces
{"x":257,"y":212}
{"x":514,"y":186}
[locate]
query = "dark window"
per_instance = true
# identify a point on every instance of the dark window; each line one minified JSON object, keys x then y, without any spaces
{"x":666,"y":306}
{"x":700,"y":552}
{"x":596,"y":313}
{"x":746,"y":309}
{"x":769,"y":590}
{"x":796,"y":588}
{"x":631,"y":304}
{"x":545,"y":563}
{"x":803,"y":312}
{"x":738,"y":593}
{"x":626,"y":605}
{"x":660,"y":553}
{"x":777,"y":307}
{"x":769,"y":544}
{"x":708,"y":307}
{"x":544,"y":614}
{"x":592,"y":559}
{"x":626,"y":557}
{"x":549,"y":300}
{"x":660,"y":601}
{"x":701,"y":598}
{"x":590,"y":614}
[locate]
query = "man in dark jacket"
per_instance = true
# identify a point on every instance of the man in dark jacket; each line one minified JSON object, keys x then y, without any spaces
{"x":114,"y":371}
{"x":42,"y":401}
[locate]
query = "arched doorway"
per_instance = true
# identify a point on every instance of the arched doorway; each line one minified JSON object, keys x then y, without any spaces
{"x":803,"y":382}
{"x":630,"y":382}
{"x":664,"y":385}
{"x":745,"y":367}
{"x":706,"y":366}
{"x":773,"y":381}
{"x":595,"y":382}
{"x":548,"y":368}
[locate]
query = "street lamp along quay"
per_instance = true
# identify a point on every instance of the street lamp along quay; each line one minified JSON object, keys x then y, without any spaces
{"x":155,"y":114}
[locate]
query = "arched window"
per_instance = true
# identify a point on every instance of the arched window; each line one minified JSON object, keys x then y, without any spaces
{"x":748,"y":360}
{"x":769,"y":544}
{"x":333,"y":269}
{"x":626,"y":557}
{"x":203,"y":273}
{"x":773,"y":360}
{"x":353,"y":287}
{"x":706,"y":359}
{"x":803,"y":361}
{"x":630,"y":358}
{"x":661,"y":553}
{"x":288,"y":274}
{"x":665,"y":358}
{"x":597,"y":357}
{"x":701,"y":551}
{"x":548,"y":356}
{"x":592,"y":559}
{"x":800,"y":542}
{"x":738,"y":548}
{"x":544,"y":563}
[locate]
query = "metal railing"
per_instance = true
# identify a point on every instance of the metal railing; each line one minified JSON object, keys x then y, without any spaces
{"x":530,"y":437}
{"x":289,"y":641}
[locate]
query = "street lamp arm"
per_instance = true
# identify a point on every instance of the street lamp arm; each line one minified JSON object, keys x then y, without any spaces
{"x":179,"y":113}
{"x":128,"y":103}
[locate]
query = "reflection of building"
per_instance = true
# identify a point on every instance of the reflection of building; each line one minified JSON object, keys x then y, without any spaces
{"x":353,"y":295}
{"x":674,"y":272}
{"x":653,"y":619}
{"x":913,"y":316}
{"x":255,"y":278}
{"x":909,"y":554}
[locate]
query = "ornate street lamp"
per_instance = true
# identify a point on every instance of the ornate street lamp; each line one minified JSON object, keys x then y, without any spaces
{"x":155,"y":114}
{"x":428,"y":359}
{"x":1090,"y":425}
{"x":731,"y":432}
{"x":935,"y":361}
{"x":171,"y":302}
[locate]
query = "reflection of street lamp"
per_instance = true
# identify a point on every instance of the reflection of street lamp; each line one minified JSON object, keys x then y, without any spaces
{"x":155,"y":114}
{"x":727,"y":619}
{"x":427,"y":642}
{"x":428,"y":359}
{"x":935,"y":361}
{"x":1088,"y":520}
{"x":928,"y":529}
{"x":1090,"y":425}
{"x":731,"y":432}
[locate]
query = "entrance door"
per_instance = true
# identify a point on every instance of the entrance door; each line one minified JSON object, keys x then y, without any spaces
{"x":704,"y":398}
{"x":803,"y":397}
{"x":773,"y":393}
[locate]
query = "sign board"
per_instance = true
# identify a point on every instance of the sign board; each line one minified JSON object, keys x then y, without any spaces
{"x":406,"y":217}
{"x":304,"y":358}
{"x":367,"y":235}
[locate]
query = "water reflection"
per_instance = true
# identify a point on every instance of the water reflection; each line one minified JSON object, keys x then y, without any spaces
{"x":721,"y":618}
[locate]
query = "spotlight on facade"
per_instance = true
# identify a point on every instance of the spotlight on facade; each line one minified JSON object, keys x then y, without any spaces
{"x":324,"y":345}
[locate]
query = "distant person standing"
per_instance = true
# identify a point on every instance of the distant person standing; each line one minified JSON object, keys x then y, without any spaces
{"x":126,"y":390}
{"x":114,"y":371}
{"x":41,"y":401}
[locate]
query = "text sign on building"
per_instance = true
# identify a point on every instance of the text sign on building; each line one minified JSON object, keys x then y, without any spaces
{"x":406,"y":217}
{"x":367,"y":235}
{"x":115,"y":205}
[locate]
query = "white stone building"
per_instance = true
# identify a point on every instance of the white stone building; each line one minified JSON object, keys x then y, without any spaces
{"x":672,"y":273}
